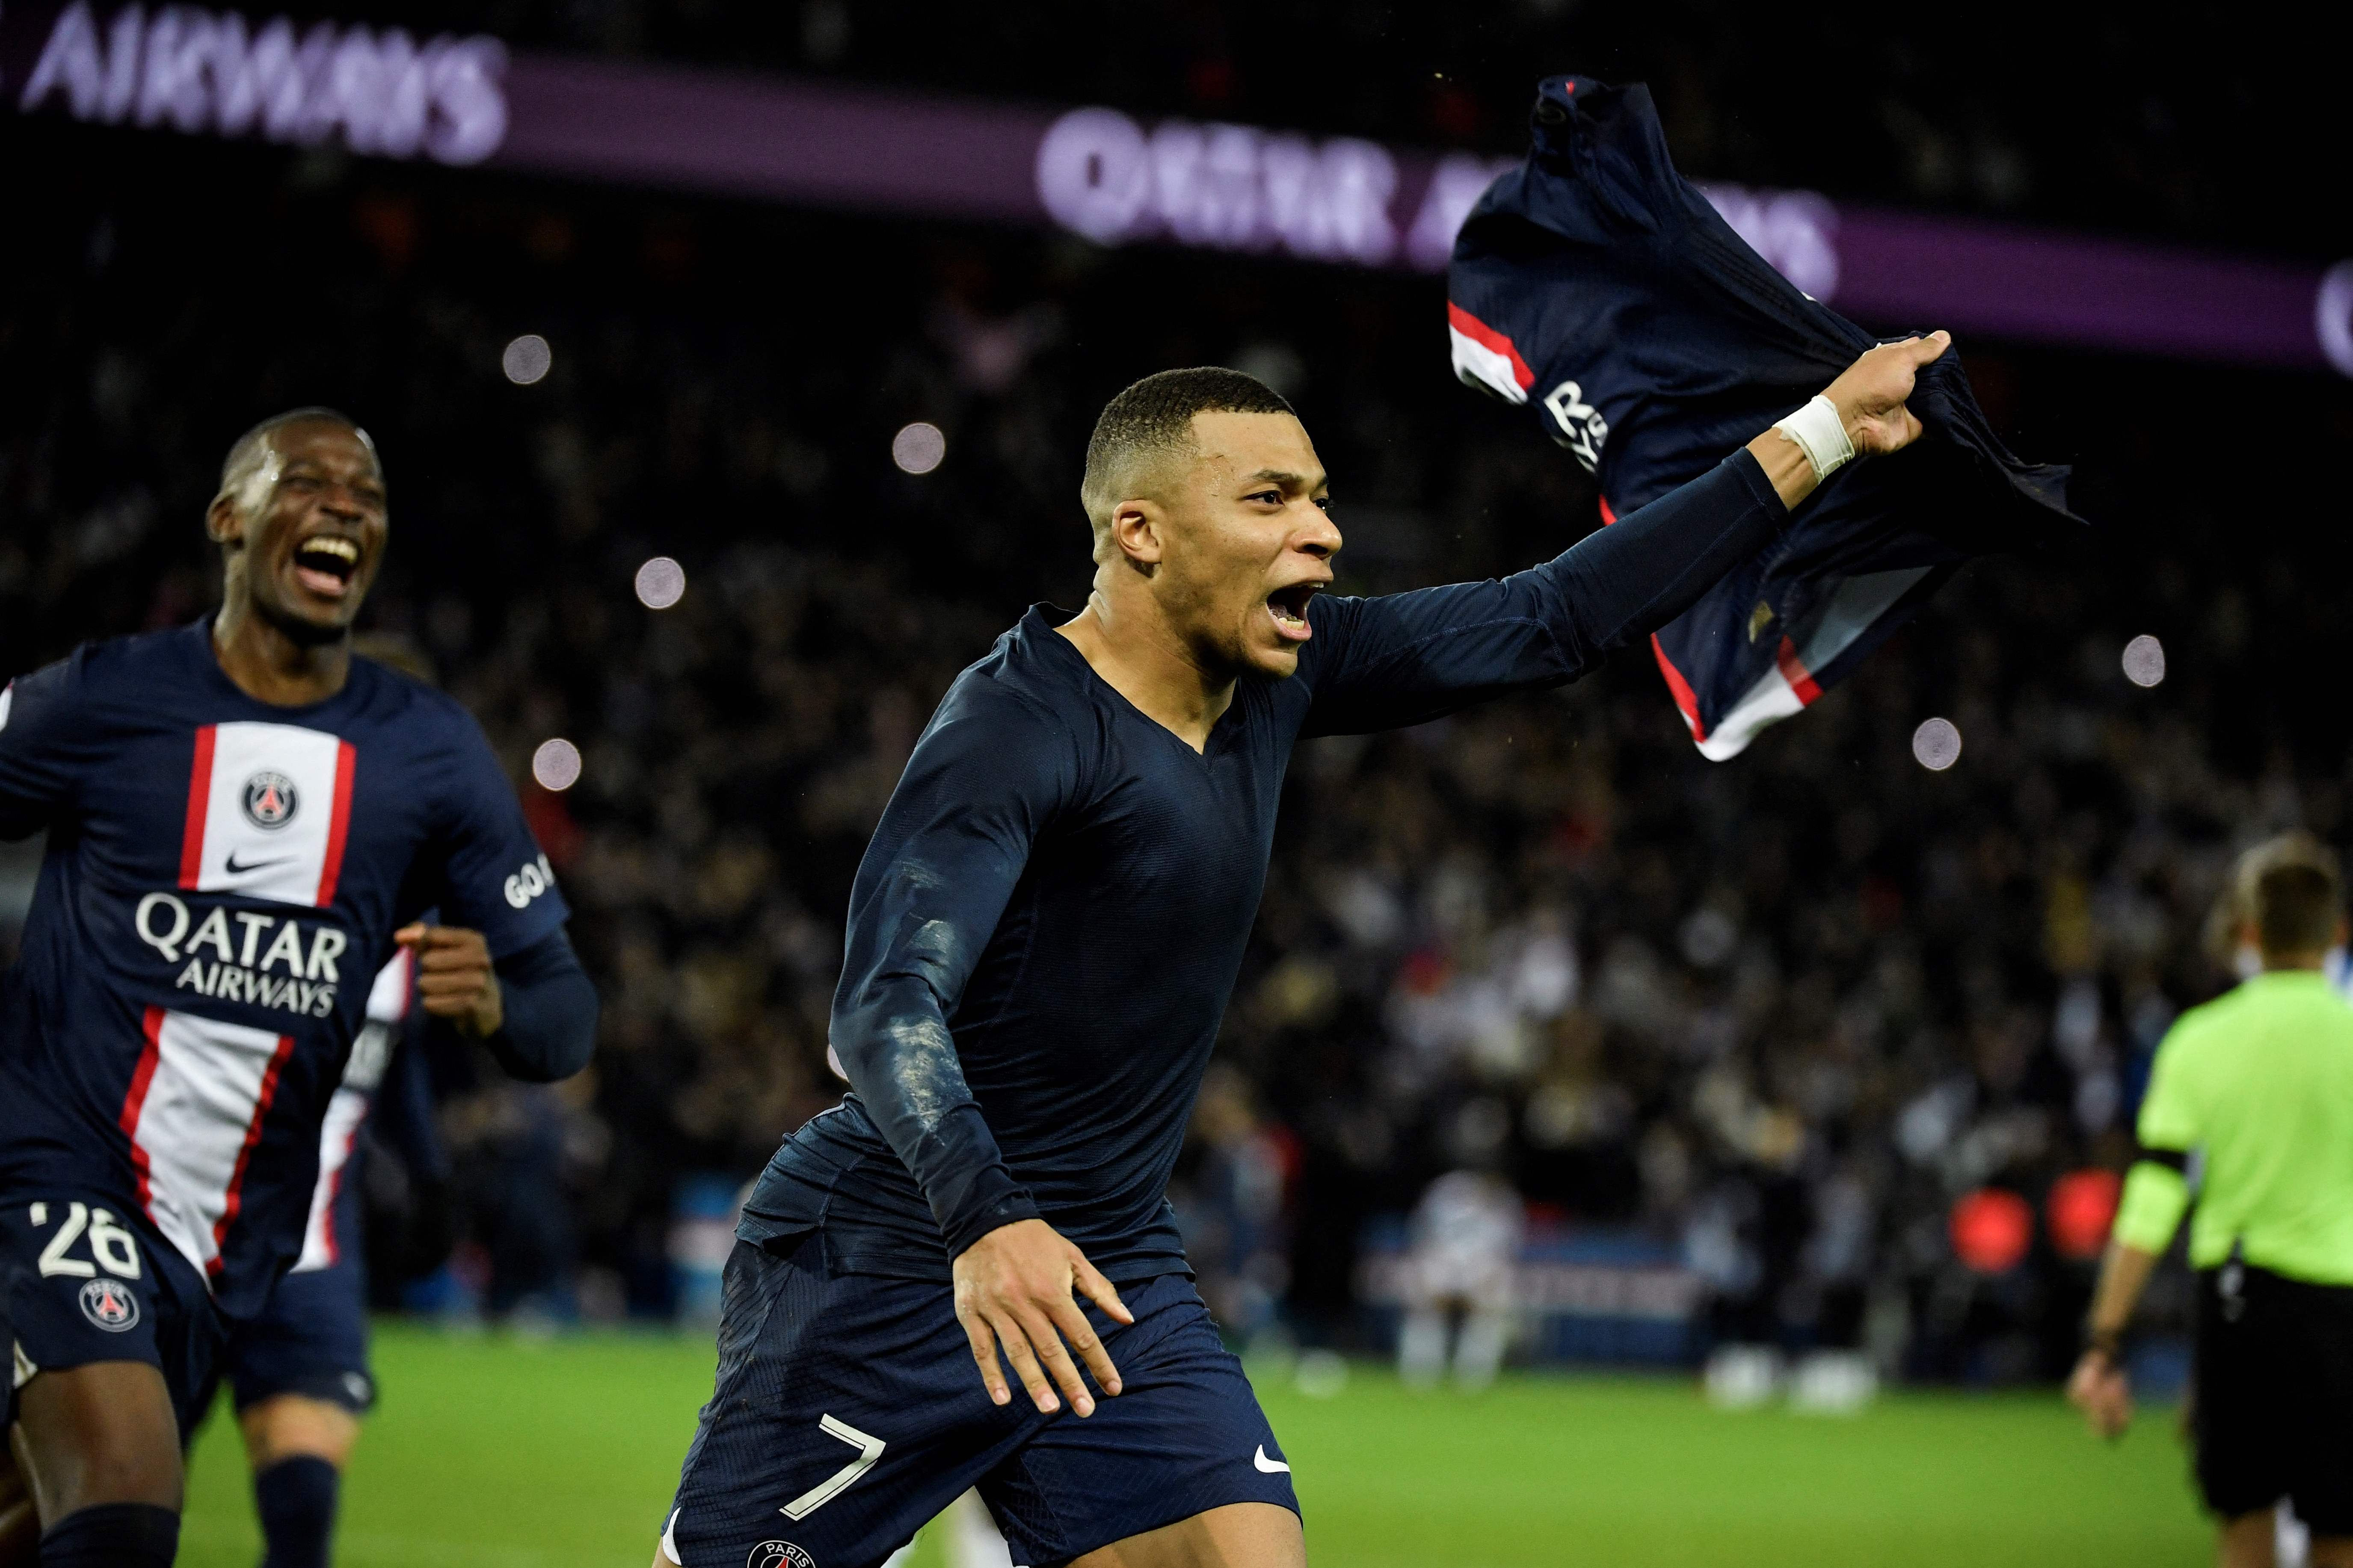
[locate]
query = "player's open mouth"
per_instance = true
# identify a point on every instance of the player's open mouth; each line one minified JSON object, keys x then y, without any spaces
{"x":325,"y":563}
{"x":1289,"y":608}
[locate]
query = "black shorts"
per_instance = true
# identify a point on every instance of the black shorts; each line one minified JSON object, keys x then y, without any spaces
{"x":310,"y":1340}
{"x":2271,"y":1410}
{"x":848,"y":1413}
{"x":85,"y":1277}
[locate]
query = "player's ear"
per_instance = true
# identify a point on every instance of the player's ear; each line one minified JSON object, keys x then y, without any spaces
{"x":1140,"y":529}
{"x":222,"y":524}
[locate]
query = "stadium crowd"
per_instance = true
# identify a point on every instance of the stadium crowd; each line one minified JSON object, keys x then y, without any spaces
{"x":1781,"y":1013}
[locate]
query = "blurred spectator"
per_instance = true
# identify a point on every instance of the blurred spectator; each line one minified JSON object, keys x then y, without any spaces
{"x":1465,"y":1244}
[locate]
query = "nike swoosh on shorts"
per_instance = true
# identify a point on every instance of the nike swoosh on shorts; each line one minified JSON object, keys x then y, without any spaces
{"x":1267,"y":1466}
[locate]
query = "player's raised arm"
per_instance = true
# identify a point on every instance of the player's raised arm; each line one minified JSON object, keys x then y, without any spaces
{"x":987,"y":775}
{"x":1404,"y":657}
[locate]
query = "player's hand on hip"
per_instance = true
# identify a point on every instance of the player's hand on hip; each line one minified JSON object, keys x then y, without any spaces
{"x":1870,"y":393}
{"x":2102,"y":1392}
{"x":1016,"y":1291}
{"x":454,"y":976}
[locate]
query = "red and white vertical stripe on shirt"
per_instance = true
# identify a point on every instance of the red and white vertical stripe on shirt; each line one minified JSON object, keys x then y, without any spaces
{"x":267,"y":817}
{"x":388,"y":1002}
{"x":269,"y":808}
{"x":194,"y":1114}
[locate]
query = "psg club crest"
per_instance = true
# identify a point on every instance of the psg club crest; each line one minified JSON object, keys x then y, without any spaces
{"x":270,"y":800}
{"x":109,"y":1305}
{"x":779,"y":1555}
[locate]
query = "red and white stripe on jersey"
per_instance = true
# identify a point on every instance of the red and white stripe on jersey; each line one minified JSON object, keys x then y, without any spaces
{"x":269,"y":806}
{"x":1788,"y":688}
{"x":321,"y":1248}
{"x":1485,"y":357}
{"x":194,"y":1113}
{"x":388,"y":1001}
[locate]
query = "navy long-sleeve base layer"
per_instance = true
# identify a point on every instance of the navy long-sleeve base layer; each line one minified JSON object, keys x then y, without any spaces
{"x":1046,"y":927}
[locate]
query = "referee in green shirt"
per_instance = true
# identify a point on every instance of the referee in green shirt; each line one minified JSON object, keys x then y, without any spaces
{"x":2258,"y":1086}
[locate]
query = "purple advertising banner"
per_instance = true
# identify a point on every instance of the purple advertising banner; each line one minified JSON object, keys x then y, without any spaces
{"x":1095,"y":172}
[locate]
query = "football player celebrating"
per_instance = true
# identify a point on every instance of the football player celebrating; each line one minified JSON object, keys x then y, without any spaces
{"x":935,"y":1279}
{"x":243,"y":820}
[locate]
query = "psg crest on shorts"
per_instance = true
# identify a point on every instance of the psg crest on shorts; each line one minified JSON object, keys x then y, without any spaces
{"x":270,"y":800}
{"x":779,"y":1555}
{"x":109,"y":1305}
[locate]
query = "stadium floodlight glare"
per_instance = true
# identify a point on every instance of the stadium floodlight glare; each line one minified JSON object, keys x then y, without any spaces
{"x":918,"y":448}
{"x":662,"y":582}
{"x":1937,"y":744}
{"x":527,"y":358}
{"x":2144,"y":660}
{"x":557,"y":764}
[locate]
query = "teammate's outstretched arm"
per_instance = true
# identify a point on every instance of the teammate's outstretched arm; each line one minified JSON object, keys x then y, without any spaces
{"x":1406,"y":658}
{"x":987,"y":774}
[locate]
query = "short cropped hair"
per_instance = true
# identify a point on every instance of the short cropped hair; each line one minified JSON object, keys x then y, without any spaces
{"x":250,"y":450}
{"x":2289,"y":889}
{"x":1153,"y":421}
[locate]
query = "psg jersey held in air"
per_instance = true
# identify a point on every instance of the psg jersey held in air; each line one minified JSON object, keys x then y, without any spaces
{"x":222,"y":883}
{"x":1596,"y":289}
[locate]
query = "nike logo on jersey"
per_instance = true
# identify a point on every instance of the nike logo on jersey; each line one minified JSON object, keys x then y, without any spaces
{"x":236,"y":868}
{"x":1269,"y":1467}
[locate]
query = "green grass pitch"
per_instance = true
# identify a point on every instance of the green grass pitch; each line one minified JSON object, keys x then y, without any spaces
{"x":493,"y":1451}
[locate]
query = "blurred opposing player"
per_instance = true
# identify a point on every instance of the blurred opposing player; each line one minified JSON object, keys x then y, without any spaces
{"x":1465,"y":1246}
{"x":1041,"y":940}
{"x":2259,"y":1085}
{"x":242,"y":817}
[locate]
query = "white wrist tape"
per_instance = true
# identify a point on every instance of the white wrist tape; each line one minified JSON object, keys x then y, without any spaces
{"x":1820,"y":434}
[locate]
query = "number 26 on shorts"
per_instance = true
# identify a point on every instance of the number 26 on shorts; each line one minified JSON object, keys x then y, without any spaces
{"x":111,"y":1248}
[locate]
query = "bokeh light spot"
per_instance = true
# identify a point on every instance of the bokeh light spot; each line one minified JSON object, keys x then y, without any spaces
{"x":1991,"y":1229}
{"x":2144,"y":660}
{"x":557,"y":764}
{"x":527,"y":359}
{"x":917,"y":448}
{"x":2080,"y":1210}
{"x":662,"y":582}
{"x":1937,"y":744}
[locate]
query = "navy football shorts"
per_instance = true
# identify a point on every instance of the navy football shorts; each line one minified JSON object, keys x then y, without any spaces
{"x":310,"y":1340}
{"x":85,"y":1277}
{"x":848,"y":1413}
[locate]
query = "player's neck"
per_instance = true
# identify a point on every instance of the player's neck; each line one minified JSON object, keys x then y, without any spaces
{"x":271,"y":666}
{"x":1141,"y":657}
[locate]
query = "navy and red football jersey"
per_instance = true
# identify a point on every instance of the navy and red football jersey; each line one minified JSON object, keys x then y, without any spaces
{"x":332,"y":1229}
{"x":222,"y":881}
{"x":1598,"y":289}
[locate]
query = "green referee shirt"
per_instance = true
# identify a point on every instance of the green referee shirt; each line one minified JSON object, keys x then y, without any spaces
{"x":2261,"y":1081}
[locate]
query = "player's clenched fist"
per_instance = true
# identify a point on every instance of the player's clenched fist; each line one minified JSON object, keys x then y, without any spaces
{"x":1015,"y":1292}
{"x":1870,"y":393}
{"x":454,"y":977}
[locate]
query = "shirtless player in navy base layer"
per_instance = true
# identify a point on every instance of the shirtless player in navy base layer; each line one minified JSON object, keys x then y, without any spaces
{"x":1041,"y":939}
